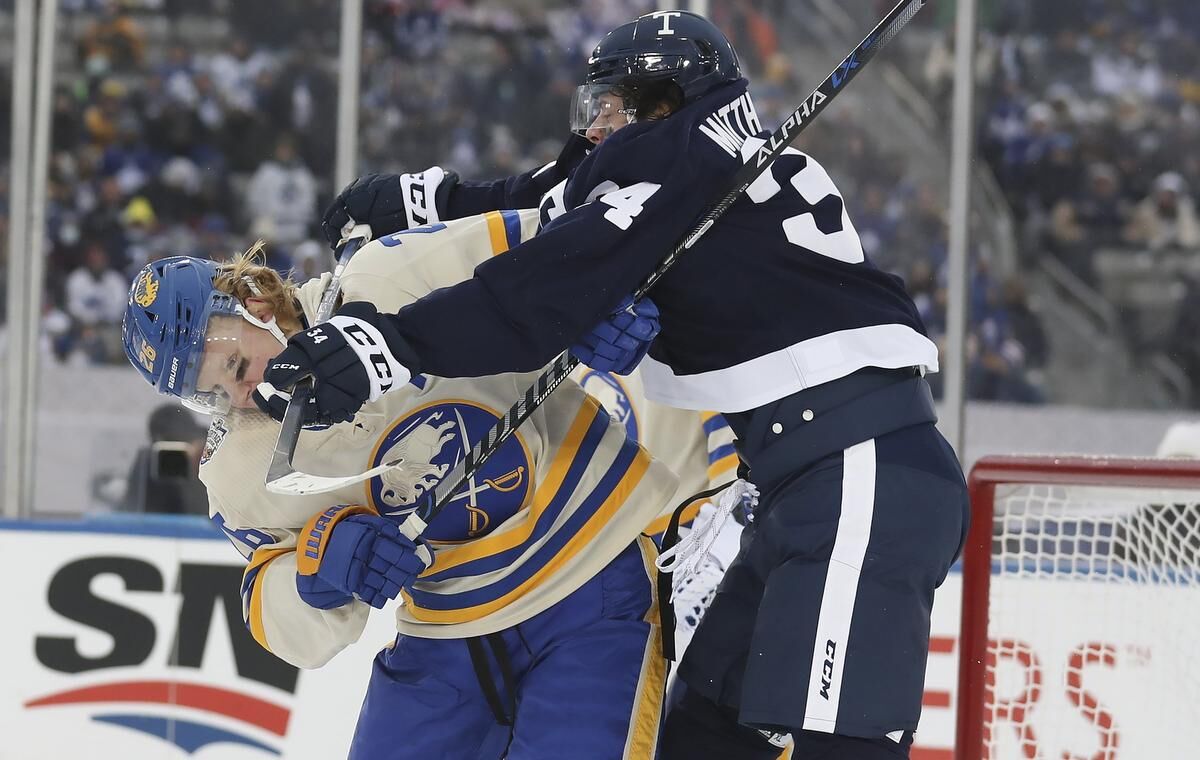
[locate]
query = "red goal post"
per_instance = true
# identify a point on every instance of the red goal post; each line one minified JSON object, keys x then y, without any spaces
{"x":1069,"y":524}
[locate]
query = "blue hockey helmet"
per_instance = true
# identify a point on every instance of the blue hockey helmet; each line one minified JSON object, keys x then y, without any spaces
{"x":171,"y":303}
{"x":665,"y":46}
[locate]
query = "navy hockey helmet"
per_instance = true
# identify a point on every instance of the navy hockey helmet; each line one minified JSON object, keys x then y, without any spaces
{"x":666,"y":46}
{"x":678,"y":46}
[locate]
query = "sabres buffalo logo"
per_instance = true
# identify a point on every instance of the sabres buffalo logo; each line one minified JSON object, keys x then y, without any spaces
{"x":145,"y":290}
{"x":431,"y":440}
{"x":614,"y":397}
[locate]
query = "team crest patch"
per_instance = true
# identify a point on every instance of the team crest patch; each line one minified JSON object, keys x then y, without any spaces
{"x":614,"y":397}
{"x":145,"y":290}
{"x":432,"y":440}
{"x":217,"y":431}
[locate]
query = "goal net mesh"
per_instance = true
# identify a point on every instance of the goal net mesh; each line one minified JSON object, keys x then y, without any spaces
{"x":1093,"y":623}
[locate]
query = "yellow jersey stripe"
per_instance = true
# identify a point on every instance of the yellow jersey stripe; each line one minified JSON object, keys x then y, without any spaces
{"x":580,"y":541}
{"x":498,"y":542}
{"x":262,"y":556}
{"x":496,"y":232}
{"x":726,"y":464}
{"x":652,"y":684}
{"x":689,"y":513}
{"x":257,"y":627}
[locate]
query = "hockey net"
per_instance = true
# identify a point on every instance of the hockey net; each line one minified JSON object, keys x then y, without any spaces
{"x":1081,"y":610}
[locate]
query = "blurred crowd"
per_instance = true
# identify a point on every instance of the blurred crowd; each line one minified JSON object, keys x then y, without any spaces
{"x":197,"y":127}
{"x":1090,"y":120}
{"x":176,"y":132}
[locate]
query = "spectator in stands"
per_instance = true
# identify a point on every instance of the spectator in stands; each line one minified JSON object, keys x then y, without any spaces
{"x":1100,"y":209}
{"x":101,"y":118}
{"x":1067,"y":239}
{"x":1056,"y":175}
{"x":876,"y":224}
{"x":1128,"y":68}
{"x":235,"y":73}
{"x":104,"y":226}
{"x":282,"y":197}
{"x":96,"y":295}
{"x":1024,"y":324}
{"x":1166,"y":218}
{"x":114,"y":41}
{"x":140,"y":224}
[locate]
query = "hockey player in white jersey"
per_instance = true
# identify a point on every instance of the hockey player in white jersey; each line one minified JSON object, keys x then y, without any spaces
{"x":539,"y":567}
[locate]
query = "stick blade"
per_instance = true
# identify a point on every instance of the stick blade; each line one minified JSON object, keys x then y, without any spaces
{"x":291,"y":482}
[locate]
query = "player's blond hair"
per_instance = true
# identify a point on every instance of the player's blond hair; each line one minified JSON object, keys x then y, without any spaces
{"x":247,"y":276}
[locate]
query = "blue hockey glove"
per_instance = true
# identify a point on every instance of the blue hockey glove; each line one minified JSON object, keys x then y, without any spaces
{"x":618,"y":344}
{"x":351,"y":359}
{"x":389,"y":202}
{"x":349,"y":551}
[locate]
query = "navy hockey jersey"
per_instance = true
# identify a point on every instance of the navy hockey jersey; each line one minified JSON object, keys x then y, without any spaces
{"x":776,"y":297}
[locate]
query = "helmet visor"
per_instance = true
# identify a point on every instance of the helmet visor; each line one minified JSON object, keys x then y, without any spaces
{"x":601,"y":107}
{"x":228,"y":363}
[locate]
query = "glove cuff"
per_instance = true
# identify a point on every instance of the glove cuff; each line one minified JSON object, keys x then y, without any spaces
{"x":366,"y":311}
{"x":420,"y":196}
{"x":314,"y":536}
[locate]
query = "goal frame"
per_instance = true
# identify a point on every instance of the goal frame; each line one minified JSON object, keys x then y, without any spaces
{"x":988,"y":473}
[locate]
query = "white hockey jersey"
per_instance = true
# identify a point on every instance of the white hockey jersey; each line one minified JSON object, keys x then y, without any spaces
{"x":562,"y":498}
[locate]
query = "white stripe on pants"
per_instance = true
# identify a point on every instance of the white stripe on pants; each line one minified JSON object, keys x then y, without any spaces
{"x":841,"y":587}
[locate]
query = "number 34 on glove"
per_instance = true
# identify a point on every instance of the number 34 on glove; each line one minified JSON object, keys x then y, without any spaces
{"x":352,"y":359}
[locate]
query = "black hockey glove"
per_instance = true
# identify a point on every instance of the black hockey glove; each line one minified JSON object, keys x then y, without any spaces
{"x":389,"y":202}
{"x":352,"y":359}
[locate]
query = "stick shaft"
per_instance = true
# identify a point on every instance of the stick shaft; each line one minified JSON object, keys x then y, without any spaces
{"x":553,"y":376}
{"x":293,"y":417}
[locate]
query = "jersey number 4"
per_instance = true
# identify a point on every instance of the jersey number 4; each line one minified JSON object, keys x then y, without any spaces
{"x":626,"y":202}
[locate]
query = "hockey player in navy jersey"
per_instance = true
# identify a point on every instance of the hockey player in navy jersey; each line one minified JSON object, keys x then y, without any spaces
{"x":776,"y":319}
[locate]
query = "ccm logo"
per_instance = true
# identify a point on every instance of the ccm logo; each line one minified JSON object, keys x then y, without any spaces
{"x":827,"y":668}
{"x":287,"y":366}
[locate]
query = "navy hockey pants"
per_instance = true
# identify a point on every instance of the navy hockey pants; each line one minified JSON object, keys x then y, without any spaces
{"x":588,"y":676}
{"x":822,"y":622}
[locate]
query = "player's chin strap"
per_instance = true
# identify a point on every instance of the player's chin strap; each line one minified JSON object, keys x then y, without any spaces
{"x":270,"y":325}
{"x":687,"y":553}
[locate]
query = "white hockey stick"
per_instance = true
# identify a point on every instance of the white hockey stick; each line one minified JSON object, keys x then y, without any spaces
{"x":282,"y":476}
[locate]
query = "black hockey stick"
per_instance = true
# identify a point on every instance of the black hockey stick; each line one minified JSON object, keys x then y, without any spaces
{"x":439,"y":496}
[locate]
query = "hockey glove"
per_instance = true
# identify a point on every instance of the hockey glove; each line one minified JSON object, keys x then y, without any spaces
{"x":347,"y":552}
{"x":389,"y":202}
{"x":618,"y":344}
{"x":352,"y":359}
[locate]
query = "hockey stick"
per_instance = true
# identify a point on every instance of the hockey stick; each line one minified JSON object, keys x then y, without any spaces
{"x":282,"y":477}
{"x":436,"y":499}
{"x":439,"y":495}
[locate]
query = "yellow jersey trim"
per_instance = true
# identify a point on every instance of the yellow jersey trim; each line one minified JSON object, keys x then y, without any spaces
{"x":499,"y":542}
{"x":620,"y":494}
{"x":496,"y":232}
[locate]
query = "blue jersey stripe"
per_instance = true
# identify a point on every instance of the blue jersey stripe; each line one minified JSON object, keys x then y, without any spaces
{"x":579,"y":464}
{"x":569,"y":529}
{"x":713,"y":424}
{"x":512,"y":227}
{"x":721,"y":452}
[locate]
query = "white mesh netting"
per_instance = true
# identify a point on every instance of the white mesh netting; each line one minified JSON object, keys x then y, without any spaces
{"x":1094,"y":624}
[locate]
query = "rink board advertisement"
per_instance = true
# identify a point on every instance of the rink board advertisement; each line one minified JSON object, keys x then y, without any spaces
{"x":129,"y":643}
